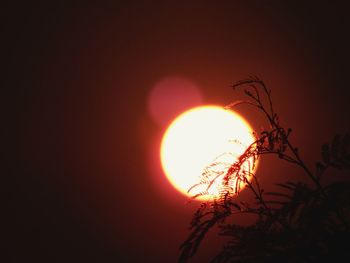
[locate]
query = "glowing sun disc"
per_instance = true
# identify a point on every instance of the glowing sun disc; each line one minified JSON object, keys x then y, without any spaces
{"x":197,"y":138}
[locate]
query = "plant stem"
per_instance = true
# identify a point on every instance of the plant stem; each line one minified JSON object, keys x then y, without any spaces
{"x":303,"y":165}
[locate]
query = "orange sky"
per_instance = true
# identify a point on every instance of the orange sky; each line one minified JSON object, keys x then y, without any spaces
{"x":84,"y":181}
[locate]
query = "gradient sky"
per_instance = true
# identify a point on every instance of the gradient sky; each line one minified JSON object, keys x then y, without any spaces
{"x":84,"y":183}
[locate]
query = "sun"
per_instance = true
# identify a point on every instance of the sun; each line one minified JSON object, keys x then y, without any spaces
{"x":198,"y":138}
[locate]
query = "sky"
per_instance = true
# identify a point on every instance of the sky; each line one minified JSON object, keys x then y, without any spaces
{"x":83,"y":181}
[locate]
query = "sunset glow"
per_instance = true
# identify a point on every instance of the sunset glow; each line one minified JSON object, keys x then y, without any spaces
{"x":196,"y":139}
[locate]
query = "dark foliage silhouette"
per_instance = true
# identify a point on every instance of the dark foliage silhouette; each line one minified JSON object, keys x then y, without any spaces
{"x":302,"y":222}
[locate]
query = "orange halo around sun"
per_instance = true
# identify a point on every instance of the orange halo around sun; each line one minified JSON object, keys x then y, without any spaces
{"x":196,"y":139}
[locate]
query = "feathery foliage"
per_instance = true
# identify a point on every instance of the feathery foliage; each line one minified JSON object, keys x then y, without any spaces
{"x":303,"y":222}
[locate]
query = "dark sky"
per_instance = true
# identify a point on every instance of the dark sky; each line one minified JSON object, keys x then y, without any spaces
{"x":82,"y":178}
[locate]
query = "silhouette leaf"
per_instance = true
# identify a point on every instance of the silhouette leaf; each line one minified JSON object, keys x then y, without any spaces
{"x":300,"y":222}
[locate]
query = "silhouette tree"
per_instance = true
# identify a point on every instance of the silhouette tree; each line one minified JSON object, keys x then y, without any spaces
{"x":303,"y":222}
